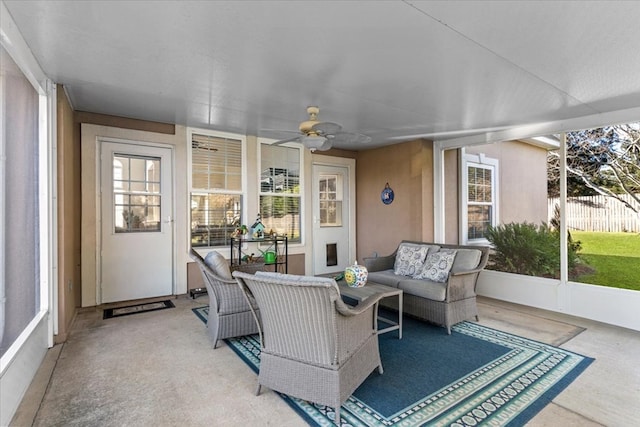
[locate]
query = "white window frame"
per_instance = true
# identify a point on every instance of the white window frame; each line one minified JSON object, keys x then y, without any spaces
{"x":481,"y":161}
{"x":20,"y":362}
{"x":301,"y":194}
{"x":242,"y":192}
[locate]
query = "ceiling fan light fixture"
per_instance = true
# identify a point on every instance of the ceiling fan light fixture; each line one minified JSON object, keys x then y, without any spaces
{"x":315,"y":142}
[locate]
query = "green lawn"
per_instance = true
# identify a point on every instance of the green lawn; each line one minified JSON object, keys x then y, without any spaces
{"x":614,"y":256}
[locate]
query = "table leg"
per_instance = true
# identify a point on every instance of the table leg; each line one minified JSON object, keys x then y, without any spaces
{"x":400,"y":315}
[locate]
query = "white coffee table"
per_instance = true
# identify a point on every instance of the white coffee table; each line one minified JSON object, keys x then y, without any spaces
{"x":364,"y":292}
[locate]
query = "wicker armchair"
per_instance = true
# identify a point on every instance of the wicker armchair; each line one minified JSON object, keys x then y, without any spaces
{"x":229,"y":312}
{"x":314,"y":347}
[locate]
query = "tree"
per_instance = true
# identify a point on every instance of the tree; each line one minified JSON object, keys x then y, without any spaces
{"x":601,"y":161}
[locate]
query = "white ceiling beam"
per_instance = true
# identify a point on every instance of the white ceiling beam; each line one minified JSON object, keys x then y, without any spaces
{"x":547,"y":128}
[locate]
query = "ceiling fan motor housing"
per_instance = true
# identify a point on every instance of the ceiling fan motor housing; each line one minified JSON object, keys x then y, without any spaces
{"x":306,"y":127}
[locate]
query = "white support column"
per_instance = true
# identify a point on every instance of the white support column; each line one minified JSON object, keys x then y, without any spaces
{"x":563,"y":297}
{"x":438,"y":193}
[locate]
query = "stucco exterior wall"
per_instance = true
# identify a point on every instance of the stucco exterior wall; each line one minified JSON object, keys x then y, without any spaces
{"x":522,"y":180}
{"x":407,"y":167}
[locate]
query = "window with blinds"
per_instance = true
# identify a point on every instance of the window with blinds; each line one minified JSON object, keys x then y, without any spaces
{"x":479,"y":200}
{"x":216,"y":189}
{"x":280,"y":190}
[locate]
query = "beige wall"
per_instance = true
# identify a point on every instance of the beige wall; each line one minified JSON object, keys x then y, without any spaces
{"x":522,"y":180}
{"x":407,"y":167}
{"x":68,"y":158}
{"x":124,"y":123}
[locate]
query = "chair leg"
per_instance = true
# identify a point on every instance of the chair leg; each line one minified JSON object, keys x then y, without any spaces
{"x":258,"y":389}
{"x":337,"y":417}
{"x":213,"y":334}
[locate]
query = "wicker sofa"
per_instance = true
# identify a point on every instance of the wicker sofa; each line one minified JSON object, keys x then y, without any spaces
{"x":431,"y":291}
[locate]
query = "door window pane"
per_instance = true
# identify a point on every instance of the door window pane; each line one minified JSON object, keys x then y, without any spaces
{"x":136,"y":193}
{"x":330,"y":201}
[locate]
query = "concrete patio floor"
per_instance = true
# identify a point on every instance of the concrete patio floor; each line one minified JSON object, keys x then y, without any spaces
{"x":159,"y":369}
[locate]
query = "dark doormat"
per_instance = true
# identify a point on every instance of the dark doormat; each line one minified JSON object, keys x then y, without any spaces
{"x":138,"y":308}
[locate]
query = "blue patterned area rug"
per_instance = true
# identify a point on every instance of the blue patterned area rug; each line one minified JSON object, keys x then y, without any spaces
{"x":477,"y":376}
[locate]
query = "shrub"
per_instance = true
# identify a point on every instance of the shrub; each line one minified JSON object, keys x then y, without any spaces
{"x":526,"y":248}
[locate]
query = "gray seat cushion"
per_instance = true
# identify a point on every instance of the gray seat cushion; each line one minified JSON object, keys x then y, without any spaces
{"x":434,"y":291}
{"x":385,"y":277}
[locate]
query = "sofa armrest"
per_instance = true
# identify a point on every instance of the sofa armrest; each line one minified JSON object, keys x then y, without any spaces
{"x":462,"y":285}
{"x":380,"y":263}
{"x":464,"y":272}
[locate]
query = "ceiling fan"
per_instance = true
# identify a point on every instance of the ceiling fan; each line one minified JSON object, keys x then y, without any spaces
{"x":320,"y":136}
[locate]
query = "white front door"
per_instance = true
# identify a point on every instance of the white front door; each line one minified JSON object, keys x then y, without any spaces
{"x":332,"y":246}
{"x":136,"y":257}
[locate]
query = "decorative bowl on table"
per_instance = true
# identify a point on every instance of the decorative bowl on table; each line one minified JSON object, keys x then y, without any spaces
{"x":356,"y":275}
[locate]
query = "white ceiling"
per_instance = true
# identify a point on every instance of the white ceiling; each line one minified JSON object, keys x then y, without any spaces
{"x":388,"y":69}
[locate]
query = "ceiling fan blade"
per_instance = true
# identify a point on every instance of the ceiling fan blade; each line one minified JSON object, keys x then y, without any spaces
{"x":326,"y":128}
{"x":350,"y":138}
{"x":282,"y":141}
{"x":277,"y":131}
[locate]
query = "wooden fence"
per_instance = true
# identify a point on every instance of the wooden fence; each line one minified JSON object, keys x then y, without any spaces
{"x":599,"y":213}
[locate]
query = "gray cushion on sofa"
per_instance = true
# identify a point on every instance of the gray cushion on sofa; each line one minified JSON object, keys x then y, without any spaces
{"x":424,"y":288}
{"x":385,"y":277}
{"x":466,"y":259}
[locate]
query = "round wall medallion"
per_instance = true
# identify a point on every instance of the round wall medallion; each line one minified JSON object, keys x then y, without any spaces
{"x":387,"y":195}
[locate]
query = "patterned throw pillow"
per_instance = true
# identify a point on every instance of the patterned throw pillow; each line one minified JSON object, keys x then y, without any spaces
{"x":437,"y":266}
{"x":409,"y":259}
